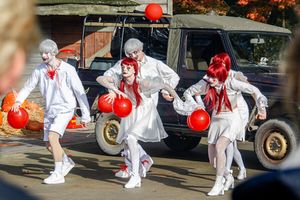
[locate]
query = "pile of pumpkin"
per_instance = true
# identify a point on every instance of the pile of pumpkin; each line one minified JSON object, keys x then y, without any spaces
{"x":35,"y":112}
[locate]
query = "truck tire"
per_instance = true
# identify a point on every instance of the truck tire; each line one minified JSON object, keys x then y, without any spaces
{"x":181,"y":143}
{"x":274,"y":140}
{"x":106,"y":131}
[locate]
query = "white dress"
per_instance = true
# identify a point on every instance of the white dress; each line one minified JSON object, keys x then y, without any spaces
{"x":226,"y":123}
{"x":143,"y":122}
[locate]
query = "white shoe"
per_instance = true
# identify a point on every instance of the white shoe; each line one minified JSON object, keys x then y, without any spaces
{"x":218,"y":188}
{"x":229,"y":184}
{"x":67,"y":166}
{"x":54,"y":178}
{"x":134,"y":181}
{"x":123,"y":172}
{"x":242,"y":174}
{"x":147,"y":163}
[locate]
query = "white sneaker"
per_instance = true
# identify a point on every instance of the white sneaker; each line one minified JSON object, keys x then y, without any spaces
{"x":54,"y":178}
{"x":134,"y":181}
{"x":123,"y":172}
{"x":147,"y":163}
{"x":67,"y":166}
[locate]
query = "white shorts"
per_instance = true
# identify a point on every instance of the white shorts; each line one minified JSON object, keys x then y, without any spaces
{"x":57,"y":124}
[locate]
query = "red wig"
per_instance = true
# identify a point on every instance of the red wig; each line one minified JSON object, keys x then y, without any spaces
{"x":222,"y":58}
{"x":135,"y":85}
{"x":217,"y":69}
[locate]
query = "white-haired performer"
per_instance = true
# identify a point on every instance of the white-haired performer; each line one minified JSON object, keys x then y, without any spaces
{"x":60,"y":85}
{"x":148,"y":68}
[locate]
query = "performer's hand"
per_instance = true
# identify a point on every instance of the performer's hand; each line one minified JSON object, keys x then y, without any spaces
{"x":110,"y":97}
{"x":121,"y":94}
{"x":200,"y":108}
{"x":261,"y":116}
{"x":167,"y":97}
{"x":16,"y":107}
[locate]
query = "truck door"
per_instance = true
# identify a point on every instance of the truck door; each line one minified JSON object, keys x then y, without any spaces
{"x":197,"y":48}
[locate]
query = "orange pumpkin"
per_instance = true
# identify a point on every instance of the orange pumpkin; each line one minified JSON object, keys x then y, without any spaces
{"x":10,"y":98}
{"x":6,"y":107}
{"x":1,"y":118}
{"x":34,"y":125}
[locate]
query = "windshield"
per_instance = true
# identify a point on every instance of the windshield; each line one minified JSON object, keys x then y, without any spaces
{"x":258,"y":49}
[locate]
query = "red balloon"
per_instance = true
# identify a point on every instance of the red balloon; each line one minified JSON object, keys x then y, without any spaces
{"x":103,"y":105}
{"x":153,"y":11}
{"x":122,"y":107}
{"x":19,"y":119}
{"x":199,"y":120}
{"x":188,"y":121}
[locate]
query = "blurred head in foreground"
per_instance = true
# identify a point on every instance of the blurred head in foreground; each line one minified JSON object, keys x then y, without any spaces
{"x":18,"y":33}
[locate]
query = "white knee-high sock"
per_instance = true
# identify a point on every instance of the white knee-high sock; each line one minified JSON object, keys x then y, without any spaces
{"x":229,"y":158}
{"x":134,"y":152}
{"x":58,"y":167}
{"x":237,"y":156}
{"x":65,"y":158}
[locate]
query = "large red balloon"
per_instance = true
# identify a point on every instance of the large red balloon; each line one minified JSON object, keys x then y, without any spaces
{"x":188,"y":121}
{"x":199,"y":120}
{"x":122,"y":107}
{"x":153,"y":11}
{"x":103,"y":105}
{"x":19,"y":119}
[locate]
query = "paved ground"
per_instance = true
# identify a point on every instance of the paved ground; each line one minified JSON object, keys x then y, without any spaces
{"x":174,"y":175}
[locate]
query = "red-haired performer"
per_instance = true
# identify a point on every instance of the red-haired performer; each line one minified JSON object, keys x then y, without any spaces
{"x":148,"y":67}
{"x":232,"y":151}
{"x":143,"y":123}
{"x":221,"y":96}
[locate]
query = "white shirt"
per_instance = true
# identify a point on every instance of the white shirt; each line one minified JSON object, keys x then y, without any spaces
{"x":60,"y":93}
{"x":150,"y":68}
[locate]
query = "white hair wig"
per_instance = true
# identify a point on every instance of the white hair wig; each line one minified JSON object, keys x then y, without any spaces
{"x":48,"y":46}
{"x":132,"y":45}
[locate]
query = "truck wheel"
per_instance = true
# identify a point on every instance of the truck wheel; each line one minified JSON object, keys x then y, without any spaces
{"x":274,"y":140}
{"x":107,"y":128}
{"x":181,"y":143}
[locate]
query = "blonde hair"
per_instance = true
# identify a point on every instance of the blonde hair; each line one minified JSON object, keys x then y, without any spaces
{"x":18,"y":29}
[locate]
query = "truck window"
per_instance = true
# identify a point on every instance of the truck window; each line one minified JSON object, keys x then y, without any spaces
{"x":200,"y":47}
{"x":103,"y":44}
{"x":258,"y":50}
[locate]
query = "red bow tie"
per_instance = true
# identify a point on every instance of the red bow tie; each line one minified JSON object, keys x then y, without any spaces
{"x":51,"y":73}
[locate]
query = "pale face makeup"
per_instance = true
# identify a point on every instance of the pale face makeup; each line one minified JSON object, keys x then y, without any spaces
{"x":213,"y":82}
{"x":127,"y":71}
{"x":47,"y":58}
{"x":137,"y":55}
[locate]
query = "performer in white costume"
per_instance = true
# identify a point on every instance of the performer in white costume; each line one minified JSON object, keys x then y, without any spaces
{"x":60,"y":85}
{"x":226,"y":126}
{"x":148,"y":67}
{"x":143,"y":123}
{"x":232,"y":151}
